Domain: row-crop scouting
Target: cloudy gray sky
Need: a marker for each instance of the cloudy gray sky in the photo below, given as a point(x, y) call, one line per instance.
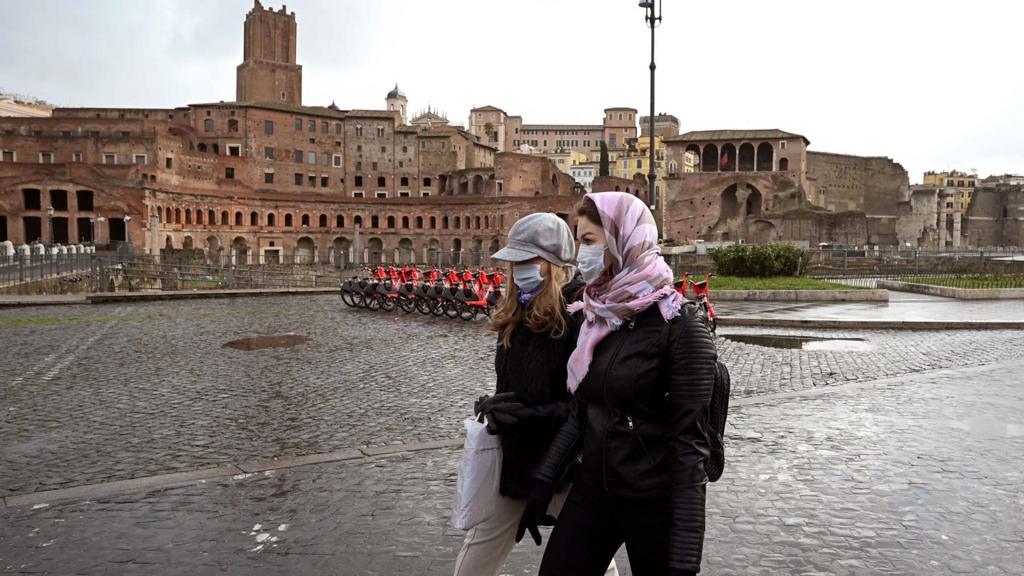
point(933, 84)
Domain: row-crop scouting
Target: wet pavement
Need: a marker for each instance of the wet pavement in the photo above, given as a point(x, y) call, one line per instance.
point(912, 475)
point(901, 306)
point(832, 470)
point(135, 390)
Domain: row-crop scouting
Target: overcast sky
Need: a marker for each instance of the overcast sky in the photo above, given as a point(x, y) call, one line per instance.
point(932, 84)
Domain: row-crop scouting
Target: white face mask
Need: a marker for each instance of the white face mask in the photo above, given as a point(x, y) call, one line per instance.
point(590, 259)
point(527, 277)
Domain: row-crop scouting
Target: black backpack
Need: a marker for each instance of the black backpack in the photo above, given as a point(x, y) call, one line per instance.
point(718, 411)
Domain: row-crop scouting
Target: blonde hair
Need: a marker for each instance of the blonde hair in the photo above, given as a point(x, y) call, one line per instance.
point(544, 313)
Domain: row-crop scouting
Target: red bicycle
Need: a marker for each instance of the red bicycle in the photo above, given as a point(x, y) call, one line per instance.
point(701, 295)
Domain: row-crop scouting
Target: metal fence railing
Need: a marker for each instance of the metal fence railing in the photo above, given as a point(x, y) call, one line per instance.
point(25, 268)
point(865, 267)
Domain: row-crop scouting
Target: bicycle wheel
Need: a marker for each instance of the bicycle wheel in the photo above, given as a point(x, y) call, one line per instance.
point(437, 307)
point(451, 309)
point(406, 304)
point(423, 306)
point(387, 303)
point(467, 312)
point(373, 303)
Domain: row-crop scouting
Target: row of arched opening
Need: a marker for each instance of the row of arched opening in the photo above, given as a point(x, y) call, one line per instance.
point(730, 158)
point(210, 218)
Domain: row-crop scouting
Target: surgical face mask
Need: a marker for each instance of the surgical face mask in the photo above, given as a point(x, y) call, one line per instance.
point(527, 277)
point(590, 258)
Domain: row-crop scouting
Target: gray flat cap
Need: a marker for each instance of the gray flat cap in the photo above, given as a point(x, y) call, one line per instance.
point(541, 234)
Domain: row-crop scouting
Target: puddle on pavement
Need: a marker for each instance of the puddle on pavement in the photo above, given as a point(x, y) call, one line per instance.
point(262, 342)
point(813, 343)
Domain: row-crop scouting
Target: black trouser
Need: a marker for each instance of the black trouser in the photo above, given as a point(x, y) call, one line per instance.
point(594, 524)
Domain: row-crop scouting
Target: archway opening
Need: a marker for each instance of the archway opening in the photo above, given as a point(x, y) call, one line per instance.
point(709, 159)
point(765, 157)
point(730, 205)
point(746, 157)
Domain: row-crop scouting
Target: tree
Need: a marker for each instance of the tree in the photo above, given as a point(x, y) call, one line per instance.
point(603, 167)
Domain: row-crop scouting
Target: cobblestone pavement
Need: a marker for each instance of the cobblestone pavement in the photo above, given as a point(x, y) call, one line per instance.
point(913, 475)
point(94, 394)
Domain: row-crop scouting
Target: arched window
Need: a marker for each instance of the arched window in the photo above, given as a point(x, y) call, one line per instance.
point(709, 159)
point(477, 222)
point(254, 219)
point(201, 147)
point(238, 218)
point(458, 223)
point(177, 215)
point(444, 223)
point(765, 157)
point(188, 215)
point(374, 221)
point(419, 222)
point(224, 218)
point(211, 217)
point(391, 221)
point(465, 222)
point(271, 219)
point(746, 157)
point(323, 220)
point(405, 221)
point(783, 163)
point(167, 216)
point(199, 216)
point(339, 222)
point(216, 148)
point(288, 221)
point(433, 222)
point(358, 220)
point(305, 220)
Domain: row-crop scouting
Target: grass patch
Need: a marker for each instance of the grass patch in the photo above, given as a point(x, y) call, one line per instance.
point(774, 283)
point(967, 281)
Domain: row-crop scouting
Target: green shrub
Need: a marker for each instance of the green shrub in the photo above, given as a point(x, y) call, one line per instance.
point(761, 260)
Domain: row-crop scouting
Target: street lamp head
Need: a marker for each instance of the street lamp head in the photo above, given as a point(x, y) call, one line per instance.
point(127, 218)
point(49, 211)
point(646, 4)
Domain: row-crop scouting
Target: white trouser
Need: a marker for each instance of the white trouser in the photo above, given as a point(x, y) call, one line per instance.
point(489, 543)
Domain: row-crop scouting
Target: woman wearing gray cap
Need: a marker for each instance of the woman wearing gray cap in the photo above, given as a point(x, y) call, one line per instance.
point(536, 336)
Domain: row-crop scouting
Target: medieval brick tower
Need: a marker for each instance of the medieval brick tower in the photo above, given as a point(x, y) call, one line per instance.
point(268, 72)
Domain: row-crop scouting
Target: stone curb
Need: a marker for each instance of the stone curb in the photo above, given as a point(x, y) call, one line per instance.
point(823, 324)
point(800, 295)
point(121, 297)
point(247, 467)
point(118, 486)
point(15, 301)
point(951, 292)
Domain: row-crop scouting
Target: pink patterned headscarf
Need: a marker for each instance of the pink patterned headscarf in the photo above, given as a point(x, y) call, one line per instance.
point(639, 277)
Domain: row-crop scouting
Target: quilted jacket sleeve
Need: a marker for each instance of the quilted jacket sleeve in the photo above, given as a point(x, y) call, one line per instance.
point(692, 358)
point(563, 447)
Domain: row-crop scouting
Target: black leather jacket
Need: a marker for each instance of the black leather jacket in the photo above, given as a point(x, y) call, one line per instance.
point(640, 421)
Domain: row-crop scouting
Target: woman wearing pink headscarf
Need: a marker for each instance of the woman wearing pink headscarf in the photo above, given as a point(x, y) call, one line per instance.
point(642, 374)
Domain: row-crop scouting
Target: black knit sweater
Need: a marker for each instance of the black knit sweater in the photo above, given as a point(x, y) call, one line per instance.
point(534, 367)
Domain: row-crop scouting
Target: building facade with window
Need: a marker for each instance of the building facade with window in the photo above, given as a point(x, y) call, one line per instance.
point(264, 173)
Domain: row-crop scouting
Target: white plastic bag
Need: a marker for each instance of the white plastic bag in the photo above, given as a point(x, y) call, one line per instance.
point(479, 476)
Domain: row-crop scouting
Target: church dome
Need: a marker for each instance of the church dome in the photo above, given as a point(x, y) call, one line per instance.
point(396, 93)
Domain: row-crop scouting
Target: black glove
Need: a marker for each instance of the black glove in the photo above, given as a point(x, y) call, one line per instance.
point(503, 416)
point(536, 513)
point(484, 404)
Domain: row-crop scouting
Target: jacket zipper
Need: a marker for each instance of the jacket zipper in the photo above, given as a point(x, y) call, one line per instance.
point(636, 430)
point(604, 442)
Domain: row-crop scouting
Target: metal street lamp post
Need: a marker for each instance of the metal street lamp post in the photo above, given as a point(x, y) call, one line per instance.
point(49, 221)
point(653, 18)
